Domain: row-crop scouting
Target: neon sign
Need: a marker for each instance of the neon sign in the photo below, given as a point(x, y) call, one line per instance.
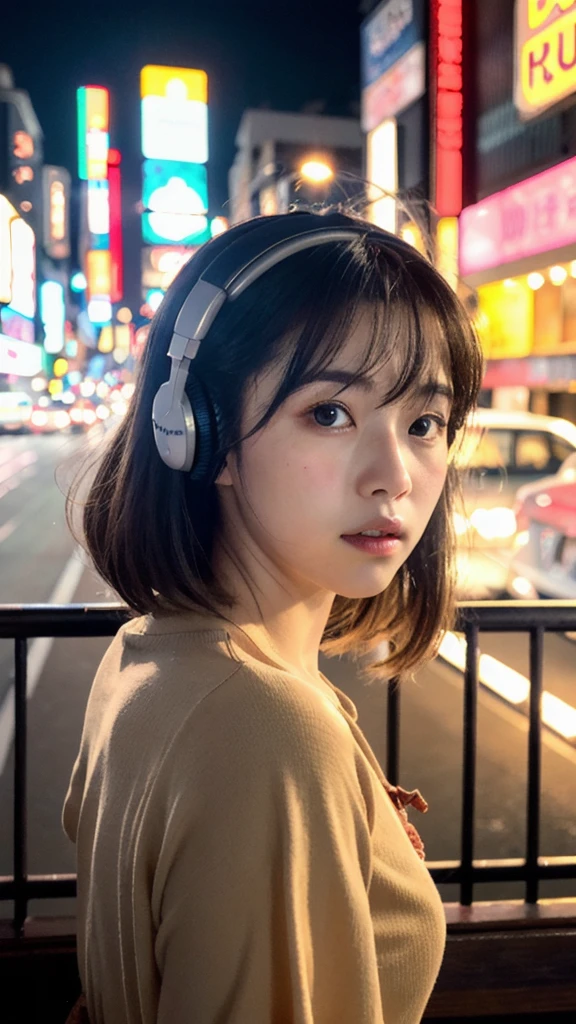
point(19, 358)
point(448, 103)
point(98, 272)
point(545, 54)
point(174, 114)
point(56, 193)
point(93, 127)
point(98, 204)
point(7, 215)
point(53, 313)
point(57, 211)
point(534, 216)
point(115, 218)
point(23, 245)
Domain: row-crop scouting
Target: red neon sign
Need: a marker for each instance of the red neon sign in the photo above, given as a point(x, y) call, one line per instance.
point(447, 127)
point(115, 203)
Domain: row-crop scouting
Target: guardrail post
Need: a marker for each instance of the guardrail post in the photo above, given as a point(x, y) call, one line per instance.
point(534, 765)
point(393, 732)
point(469, 762)
point(20, 783)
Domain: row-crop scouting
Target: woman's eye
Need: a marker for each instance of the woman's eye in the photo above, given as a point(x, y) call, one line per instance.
point(428, 427)
point(326, 415)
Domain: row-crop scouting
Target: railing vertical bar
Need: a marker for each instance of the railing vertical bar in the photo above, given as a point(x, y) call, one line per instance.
point(393, 732)
point(20, 784)
point(534, 764)
point(469, 762)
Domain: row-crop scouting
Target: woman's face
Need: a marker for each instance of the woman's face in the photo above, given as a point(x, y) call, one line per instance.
point(328, 466)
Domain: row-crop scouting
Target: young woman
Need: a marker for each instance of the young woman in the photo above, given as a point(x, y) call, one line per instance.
point(280, 485)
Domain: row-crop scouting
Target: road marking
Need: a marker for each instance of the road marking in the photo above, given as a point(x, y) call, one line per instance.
point(17, 464)
point(507, 712)
point(7, 529)
point(512, 686)
point(38, 651)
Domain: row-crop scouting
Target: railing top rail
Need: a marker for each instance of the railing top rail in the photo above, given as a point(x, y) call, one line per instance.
point(53, 620)
point(103, 619)
point(517, 616)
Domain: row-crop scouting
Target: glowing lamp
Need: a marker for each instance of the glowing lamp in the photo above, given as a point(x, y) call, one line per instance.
point(154, 298)
point(218, 225)
point(316, 171)
point(78, 282)
point(60, 367)
point(557, 275)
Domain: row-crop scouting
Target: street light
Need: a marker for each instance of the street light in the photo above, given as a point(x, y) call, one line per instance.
point(316, 171)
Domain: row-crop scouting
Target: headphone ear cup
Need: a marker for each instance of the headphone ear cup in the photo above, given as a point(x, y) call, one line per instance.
point(209, 431)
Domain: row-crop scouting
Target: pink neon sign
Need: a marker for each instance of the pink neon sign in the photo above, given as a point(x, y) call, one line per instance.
point(533, 217)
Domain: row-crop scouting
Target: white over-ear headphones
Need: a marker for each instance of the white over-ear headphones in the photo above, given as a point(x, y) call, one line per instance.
point(254, 249)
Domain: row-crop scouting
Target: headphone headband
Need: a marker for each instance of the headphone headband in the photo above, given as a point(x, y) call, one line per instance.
point(257, 249)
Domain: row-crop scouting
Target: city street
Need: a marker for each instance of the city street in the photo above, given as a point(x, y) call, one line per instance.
point(40, 564)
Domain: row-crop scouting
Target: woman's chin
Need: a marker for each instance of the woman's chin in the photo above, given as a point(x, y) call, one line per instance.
point(360, 590)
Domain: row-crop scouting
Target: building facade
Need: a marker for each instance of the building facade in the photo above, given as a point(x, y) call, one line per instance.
point(517, 246)
point(473, 103)
point(272, 148)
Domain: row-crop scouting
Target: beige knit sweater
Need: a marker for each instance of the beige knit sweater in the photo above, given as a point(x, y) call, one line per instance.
point(239, 859)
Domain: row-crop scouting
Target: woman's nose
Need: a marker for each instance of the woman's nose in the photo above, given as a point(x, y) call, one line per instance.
point(387, 470)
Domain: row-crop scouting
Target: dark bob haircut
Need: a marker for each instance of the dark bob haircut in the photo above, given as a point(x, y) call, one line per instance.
point(151, 530)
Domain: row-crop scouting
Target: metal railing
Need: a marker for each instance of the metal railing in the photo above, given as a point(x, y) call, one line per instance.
point(23, 622)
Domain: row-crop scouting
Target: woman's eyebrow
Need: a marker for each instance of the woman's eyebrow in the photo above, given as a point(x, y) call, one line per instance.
point(427, 389)
point(345, 377)
point(431, 388)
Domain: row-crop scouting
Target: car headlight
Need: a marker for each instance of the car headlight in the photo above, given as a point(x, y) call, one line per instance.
point(494, 523)
point(521, 539)
point(461, 524)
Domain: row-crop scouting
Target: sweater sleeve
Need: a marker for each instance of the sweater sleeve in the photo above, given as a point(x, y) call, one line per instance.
point(261, 889)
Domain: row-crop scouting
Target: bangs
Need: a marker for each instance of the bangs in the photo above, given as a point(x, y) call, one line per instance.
point(415, 327)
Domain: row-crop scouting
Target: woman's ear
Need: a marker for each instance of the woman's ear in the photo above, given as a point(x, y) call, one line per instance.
point(224, 478)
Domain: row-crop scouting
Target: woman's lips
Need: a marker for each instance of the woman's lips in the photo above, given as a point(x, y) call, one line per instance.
point(386, 545)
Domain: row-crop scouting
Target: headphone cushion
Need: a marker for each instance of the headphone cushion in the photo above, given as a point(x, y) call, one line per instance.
point(208, 459)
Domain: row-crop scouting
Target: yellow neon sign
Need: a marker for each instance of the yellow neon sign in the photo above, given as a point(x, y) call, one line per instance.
point(540, 10)
point(186, 83)
point(546, 56)
point(57, 210)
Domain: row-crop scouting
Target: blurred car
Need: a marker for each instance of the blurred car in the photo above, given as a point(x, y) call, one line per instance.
point(15, 412)
point(49, 418)
point(544, 559)
point(83, 415)
point(500, 453)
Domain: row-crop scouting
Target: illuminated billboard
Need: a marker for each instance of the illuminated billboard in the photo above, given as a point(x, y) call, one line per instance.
point(17, 262)
point(53, 313)
point(56, 197)
point(447, 105)
point(93, 128)
point(98, 272)
point(16, 326)
point(160, 228)
point(98, 201)
point(19, 358)
point(23, 255)
point(393, 59)
point(174, 187)
point(7, 215)
point(545, 63)
point(160, 264)
point(174, 114)
point(115, 232)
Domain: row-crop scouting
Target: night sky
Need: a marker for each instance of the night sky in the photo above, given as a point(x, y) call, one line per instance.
point(256, 53)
